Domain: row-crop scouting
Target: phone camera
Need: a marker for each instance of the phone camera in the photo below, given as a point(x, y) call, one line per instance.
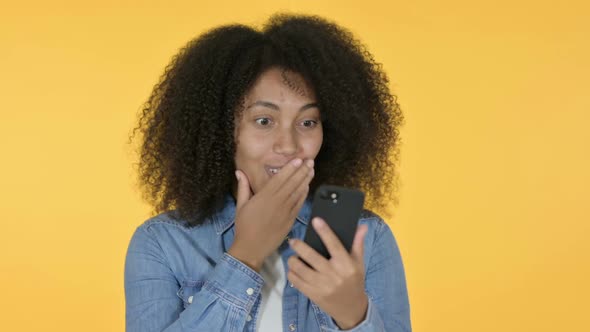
point(334, 197)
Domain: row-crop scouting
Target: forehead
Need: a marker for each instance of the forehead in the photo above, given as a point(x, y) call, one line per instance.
point(280, 85)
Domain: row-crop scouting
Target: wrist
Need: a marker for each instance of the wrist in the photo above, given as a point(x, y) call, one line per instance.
point(354, 320)
point(253, 263)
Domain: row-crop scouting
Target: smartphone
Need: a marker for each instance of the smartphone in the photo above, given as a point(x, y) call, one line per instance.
point(340, 208)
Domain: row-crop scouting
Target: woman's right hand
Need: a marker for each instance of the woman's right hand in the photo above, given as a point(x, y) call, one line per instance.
point(264, 219)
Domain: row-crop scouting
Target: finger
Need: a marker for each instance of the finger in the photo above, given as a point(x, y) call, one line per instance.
point(297, 197)
point(358, 242)
point(244, 192)
point(296, 207)
point(330, 240)
point(312, 257)
point(300, 284)
point(289, 187)
point(306, 273)
point(277, 181)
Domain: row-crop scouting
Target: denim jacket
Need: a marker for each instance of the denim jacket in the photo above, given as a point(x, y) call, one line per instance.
point(180, 278)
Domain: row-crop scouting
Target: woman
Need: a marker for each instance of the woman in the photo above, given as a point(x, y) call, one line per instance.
point(241, 129)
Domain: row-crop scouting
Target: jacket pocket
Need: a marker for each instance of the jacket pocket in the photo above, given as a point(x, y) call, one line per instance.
point(188, 291)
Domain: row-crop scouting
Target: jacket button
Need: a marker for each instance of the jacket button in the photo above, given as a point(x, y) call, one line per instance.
point(249, 318)
point(249, 291)
point(190, 299)
point(292, 327)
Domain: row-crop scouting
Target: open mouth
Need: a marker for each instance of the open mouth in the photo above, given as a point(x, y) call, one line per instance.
point(272, 170)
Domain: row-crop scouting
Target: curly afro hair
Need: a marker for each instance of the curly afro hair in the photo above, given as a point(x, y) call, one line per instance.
point(186, 155)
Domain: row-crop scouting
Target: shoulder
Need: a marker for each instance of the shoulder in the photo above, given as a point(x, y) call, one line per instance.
point(173, 243)
point(373, 220)
point(379, 235)
point(166, 219)
point(166, 227)
point(370, 215)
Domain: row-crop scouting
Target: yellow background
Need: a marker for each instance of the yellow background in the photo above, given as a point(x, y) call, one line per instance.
point(493, 221)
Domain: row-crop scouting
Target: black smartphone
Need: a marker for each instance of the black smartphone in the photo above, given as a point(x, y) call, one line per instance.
point(341, 208)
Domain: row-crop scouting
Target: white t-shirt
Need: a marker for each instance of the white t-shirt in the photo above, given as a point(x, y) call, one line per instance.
point(270, 315)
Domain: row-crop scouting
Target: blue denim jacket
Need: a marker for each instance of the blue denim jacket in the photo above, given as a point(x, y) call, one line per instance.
point(180, 278)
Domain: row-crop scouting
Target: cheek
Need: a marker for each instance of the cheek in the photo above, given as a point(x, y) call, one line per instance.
point(313, 144)
point(249, 157)
point(250, 149)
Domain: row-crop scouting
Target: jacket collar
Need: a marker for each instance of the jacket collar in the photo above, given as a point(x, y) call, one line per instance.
point(225, 218)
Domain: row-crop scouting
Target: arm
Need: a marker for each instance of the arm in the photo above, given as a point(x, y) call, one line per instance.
point(222, 304)
point(389, 308)
point(359, 301)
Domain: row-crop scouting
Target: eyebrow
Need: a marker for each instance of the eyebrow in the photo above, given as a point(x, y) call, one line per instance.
point(275, 107)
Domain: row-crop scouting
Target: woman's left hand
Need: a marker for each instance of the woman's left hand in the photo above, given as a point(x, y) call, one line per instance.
point(336, 285)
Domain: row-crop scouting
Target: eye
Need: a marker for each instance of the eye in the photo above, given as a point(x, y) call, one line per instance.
point(263, 121)
point(309, 123)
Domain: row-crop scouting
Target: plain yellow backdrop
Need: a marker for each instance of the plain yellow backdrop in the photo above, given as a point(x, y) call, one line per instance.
point(493, 220)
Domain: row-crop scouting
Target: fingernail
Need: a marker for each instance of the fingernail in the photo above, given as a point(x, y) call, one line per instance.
point(318, 223)
point(291, 241)
point(309, 162)
point(237, 175)
point(297, 162)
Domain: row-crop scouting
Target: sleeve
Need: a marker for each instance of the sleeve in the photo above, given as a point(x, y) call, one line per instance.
point(389, 308)
point(222, 304)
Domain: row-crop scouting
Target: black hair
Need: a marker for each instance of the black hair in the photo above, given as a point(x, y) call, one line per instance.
point(186, 155)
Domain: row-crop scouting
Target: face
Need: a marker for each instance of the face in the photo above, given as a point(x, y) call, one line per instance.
point(280, 122)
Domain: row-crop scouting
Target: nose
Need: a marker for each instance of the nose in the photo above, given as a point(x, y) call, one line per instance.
point(286, 142)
